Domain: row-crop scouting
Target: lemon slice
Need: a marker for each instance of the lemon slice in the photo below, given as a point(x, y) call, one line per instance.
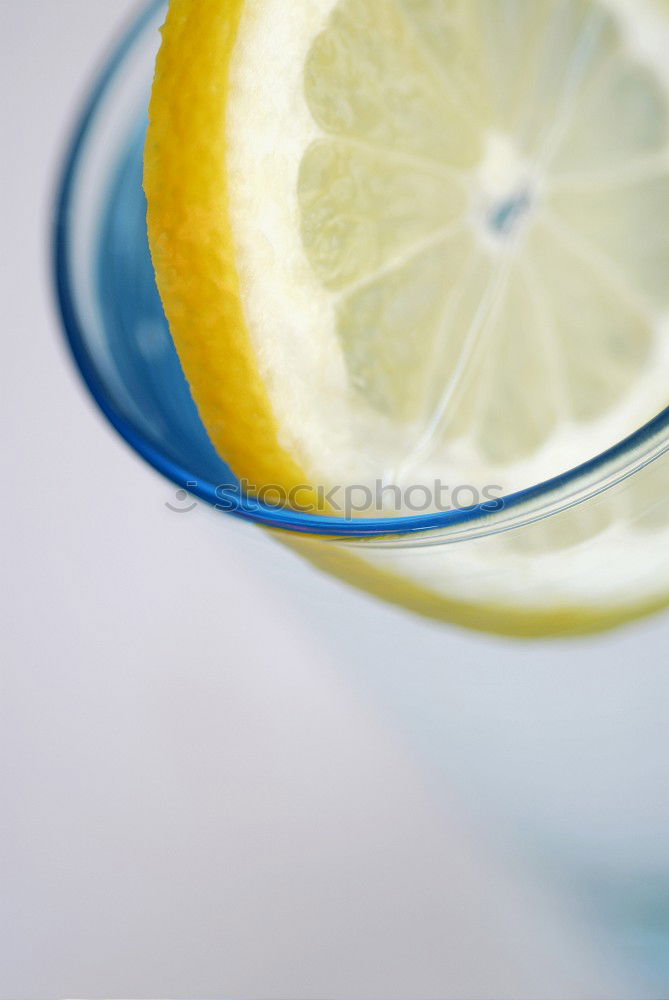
point(403, 239)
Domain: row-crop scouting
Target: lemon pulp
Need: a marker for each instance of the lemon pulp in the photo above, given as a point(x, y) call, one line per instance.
point(483, 205)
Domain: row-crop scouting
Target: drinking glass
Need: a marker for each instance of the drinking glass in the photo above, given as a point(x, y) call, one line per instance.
point(118, 336)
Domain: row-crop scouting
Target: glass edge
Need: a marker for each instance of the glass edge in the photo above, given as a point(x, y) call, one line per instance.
point(240, 505)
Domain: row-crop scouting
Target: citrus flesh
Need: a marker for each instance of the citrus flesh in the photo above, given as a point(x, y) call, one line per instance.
point(402, 240)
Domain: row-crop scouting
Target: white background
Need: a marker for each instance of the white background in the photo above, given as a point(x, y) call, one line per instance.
point(222, 774)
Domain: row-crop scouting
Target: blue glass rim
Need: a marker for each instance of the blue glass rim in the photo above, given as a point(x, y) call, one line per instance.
point(233, 501)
